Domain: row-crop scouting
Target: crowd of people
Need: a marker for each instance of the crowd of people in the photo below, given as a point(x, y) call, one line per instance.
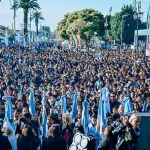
point(47, 68)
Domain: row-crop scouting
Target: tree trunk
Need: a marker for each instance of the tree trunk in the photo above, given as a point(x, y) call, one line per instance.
point(37, 27)
point(25, 23)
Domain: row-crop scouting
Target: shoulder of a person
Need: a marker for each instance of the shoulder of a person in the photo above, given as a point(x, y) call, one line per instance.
point(138, 129)
point(103, 143)
point(4, 137)
point(90, 125)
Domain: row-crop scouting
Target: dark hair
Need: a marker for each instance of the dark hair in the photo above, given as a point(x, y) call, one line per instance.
point(136, 104)
point(113, 93)
point(56, 131)
point(27, 116)
point(110, 129)
point(22, 97)
point(29, 131)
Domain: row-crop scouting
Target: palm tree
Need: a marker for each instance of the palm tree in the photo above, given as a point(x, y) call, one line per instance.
point(26, 5)
point(46, 30)
point(37, 16)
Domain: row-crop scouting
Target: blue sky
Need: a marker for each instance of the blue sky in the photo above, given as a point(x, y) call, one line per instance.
point(54, 10)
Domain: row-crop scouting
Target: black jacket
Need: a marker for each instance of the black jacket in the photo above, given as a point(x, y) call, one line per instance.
point(127, 137)
point(114, 104)
point(54, 143)
point(106, 145)
point(25, 143)
point(4, 143)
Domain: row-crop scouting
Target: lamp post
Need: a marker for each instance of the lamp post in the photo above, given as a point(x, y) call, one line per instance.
point(31, 13)
point(137, 15)
point(14, 6)
point(110, 10)
point(105, 25)
point(122, 27)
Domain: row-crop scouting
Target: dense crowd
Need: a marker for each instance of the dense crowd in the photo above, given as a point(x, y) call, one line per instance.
point(47, 68)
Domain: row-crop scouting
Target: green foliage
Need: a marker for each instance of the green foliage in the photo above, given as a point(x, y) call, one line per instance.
point(84, 22)
point(26, 5)
point(36, 17)
point(29, 4)
point(46, 30)
point(127, 23)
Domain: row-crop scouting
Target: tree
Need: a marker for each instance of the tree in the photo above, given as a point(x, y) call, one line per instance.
point(84, 22)
point(62, 27)
point(26, 5)
point(46, 30)
point(37, 16)
point(116, 26)
point(124, 21)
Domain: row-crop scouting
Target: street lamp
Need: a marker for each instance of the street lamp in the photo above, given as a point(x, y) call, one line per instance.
point(137, 15)
point(31, 14)
point(105, 25)
point(123, 16)
point(110, 10)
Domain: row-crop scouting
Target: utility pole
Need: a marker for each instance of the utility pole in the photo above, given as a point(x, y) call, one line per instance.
point(14, 22)
point(30, 26)
point(137, 15)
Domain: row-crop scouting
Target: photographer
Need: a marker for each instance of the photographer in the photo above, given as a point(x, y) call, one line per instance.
point(128, 133)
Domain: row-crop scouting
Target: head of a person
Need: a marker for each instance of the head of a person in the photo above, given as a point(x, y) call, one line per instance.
point(50, 119)
point(27, 116)
point(54, 130)
point(19, 105)
point(125, 120)
point(25, 110)
point(135, 120)
point(108, 131)
point(94, 120)
point(58, 108)
point(66, 118)
point(22, 97)
point(135, 106)
point(112, 97)
point(79, 118)
point(121, 109)
point(27, 131)
point(60, 117)
point(3, 85)
point(109, 121)
point(16, 115)
point(9, 90)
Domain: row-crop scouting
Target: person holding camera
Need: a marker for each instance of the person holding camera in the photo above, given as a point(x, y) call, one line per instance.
point(128, 133)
